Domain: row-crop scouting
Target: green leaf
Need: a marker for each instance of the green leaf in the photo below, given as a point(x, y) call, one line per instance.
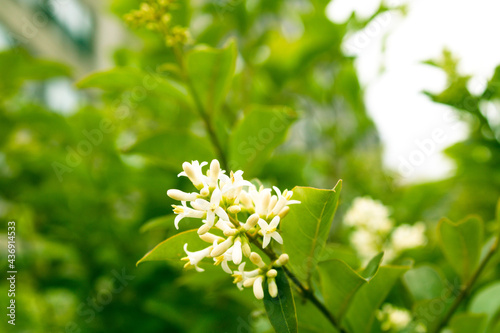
point(211, 72)
point(167, 223)
point(339, 284)
point(424, 283)
point(256, 135)
point(18, 66)
point(173, 148)
point(172, 250)
point(305, 228)
point(467, 323)
point(310, 319)
point(361, 314)
point(281, 309)
point(371, 269)
point(487, 301)
point(461, 243)
point(129, 78)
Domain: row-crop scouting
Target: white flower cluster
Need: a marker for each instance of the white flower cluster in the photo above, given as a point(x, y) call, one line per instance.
point(220, 202)
point(373, 231)
point(393, 318)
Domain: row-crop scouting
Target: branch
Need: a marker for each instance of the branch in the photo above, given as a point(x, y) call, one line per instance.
point(201, 110)
point(467, 288)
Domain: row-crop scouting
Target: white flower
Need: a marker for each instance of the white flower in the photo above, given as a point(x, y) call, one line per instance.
point(393, 318)
point(270, 231)
point(226, 227)
point(194, 172)
point(261, 200)
point(240, 276)
point(212, 208)
point(184, 211)
point(365, 243)
point(369, 214)
point(223, 260)
point(232, 185)
point(194, 258)
point(407, 237)
point(282, 201)
point(258, 291)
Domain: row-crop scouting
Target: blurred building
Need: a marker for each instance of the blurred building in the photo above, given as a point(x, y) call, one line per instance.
point(80, 33)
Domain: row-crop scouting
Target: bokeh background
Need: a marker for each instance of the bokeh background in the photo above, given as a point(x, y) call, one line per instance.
point(400, 104)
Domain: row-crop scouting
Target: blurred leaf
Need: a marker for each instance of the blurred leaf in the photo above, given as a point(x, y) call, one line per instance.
point(372, 267)
point(255, 137)
point(361, 314)
point(281, 309)
point(310, 319)
point(467, 323)
point(129, 78)
point(461, 244)
point(339, 284)
point(487, 301)
point(306, 227)
point(172, 250)
point(18, 66)
point(424, 283)
point(211, 72)
point(173, 148)
point(166, 223)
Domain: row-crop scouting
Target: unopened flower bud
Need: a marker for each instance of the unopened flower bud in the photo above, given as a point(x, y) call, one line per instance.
point(257, 288)
point(181, 196)
point(257, 260)
point(210, 238)
point(251, 221)
point(214, 172)
point(284, 212)
point(234, 209)
point(272, 273)
point(246, 249)
point(282, 260)
point(221, 248)
point(204, 229)
point(236, 254)
point(273, 287)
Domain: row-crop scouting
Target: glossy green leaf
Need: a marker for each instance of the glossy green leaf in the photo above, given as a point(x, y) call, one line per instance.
point(467, 323)
point(167, 149)
point(424, 283)
point(211, 72)
point(361, 314)
point(256, 135)
point(281, 309)
point(305, 228)
point(128, 78)
point(339, 284)
point(172, 249)
point(461, 243)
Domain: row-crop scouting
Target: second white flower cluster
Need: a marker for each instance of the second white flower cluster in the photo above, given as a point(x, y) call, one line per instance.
point(219, 202)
